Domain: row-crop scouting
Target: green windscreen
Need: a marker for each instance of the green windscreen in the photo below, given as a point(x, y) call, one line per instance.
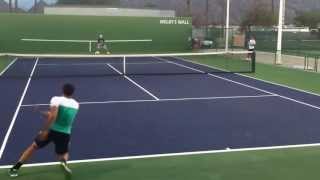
point(166, 34)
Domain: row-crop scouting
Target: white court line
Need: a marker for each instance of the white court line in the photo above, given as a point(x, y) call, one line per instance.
point(71, 64)
point(142, 63)
point(252, 87)
point(283, 97)
point(193, 69)
point(3, 146)
point(115, 69)
point(8, 66)
point(162, 100)
point(172, 155)
point(135, 83)
point(281, 85)
point(142, 88)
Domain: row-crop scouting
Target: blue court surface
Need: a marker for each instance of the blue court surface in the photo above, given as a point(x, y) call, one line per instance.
point(139, 115)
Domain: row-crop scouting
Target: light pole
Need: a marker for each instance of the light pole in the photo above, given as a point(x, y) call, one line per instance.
point(227, 26)
point(280, 29)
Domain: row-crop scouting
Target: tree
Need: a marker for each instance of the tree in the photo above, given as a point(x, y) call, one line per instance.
point(207, 12)
point(10, 5)
point(223, 5)
point(197, 21)
point(310, 19)
point(258, 15)
point(272, 7)
point(183, 9)
point(35, 6)
point(16, 5)
point(188, 3)
point(149, 4)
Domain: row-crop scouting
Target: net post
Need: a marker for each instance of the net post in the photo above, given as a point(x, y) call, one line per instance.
point(317, 62)
point(90, 46)
point(124, 65)
point(315, 65)
point(253, 61)
point(305, 62)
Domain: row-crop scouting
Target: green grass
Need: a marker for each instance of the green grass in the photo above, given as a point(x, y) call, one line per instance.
point(291, 77)
point(4, 62)
point(232, 63)
point(293, 164)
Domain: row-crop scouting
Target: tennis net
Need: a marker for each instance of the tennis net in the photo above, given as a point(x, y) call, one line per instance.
point(46, 65)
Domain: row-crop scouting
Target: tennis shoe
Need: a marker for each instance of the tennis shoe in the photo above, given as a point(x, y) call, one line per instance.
point(13, 172)
point(66, 168)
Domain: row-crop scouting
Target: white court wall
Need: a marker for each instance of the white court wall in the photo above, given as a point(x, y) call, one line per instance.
point(101, 11)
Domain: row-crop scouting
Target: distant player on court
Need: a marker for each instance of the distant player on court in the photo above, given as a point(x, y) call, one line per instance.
point(57, 129)
point(251, 46)
point(101, 45)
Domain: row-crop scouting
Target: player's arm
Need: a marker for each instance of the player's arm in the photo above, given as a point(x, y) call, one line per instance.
point(50, 116)
point(254, 42)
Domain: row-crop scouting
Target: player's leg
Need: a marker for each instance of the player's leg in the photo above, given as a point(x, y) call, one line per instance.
point(26, 155)
point(38, 143)
point(98, 48)
point(105, 47)
point(63, 157)
point(61, 142)
point(249, 54)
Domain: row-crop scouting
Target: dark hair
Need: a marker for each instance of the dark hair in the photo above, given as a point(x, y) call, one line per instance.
point(68, 89)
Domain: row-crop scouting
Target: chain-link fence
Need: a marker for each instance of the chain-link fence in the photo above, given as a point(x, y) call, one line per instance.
point(294, 42)
point(217, 36)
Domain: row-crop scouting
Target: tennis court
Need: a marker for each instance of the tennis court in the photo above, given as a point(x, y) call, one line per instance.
point(168, 90)
point(189, 109)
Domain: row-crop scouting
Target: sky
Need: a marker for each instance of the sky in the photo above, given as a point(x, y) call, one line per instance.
point(27, 4)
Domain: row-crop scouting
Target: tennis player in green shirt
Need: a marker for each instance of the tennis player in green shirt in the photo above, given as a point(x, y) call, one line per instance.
point(57, 129)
